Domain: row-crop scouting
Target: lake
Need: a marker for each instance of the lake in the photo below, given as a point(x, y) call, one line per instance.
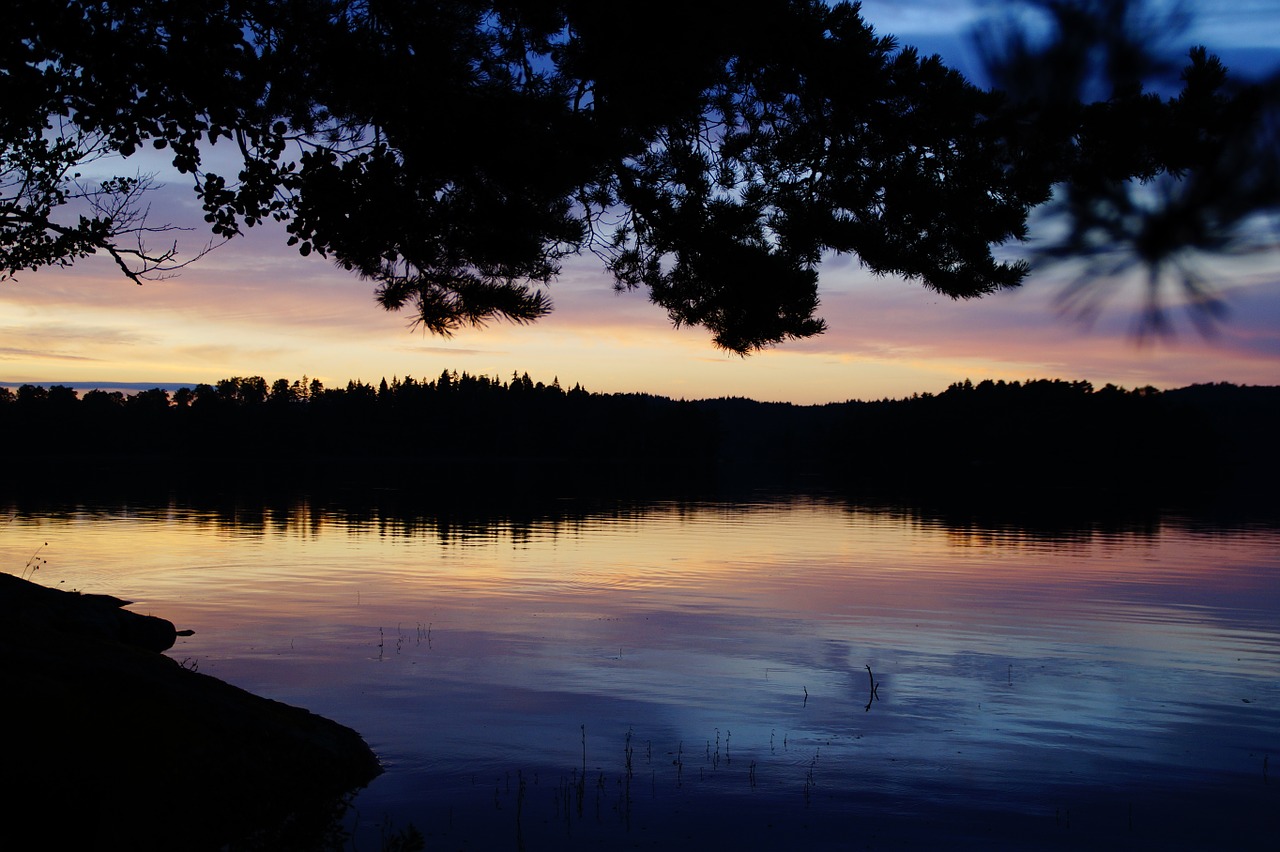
point(783, 673)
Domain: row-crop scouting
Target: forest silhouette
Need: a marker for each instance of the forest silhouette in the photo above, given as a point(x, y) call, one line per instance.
point(462, 434)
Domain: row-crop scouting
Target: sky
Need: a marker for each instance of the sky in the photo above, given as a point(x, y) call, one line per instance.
point(255, 307)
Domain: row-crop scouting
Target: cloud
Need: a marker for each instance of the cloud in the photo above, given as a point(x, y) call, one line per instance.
point(1239, 24)
point(212, 353)
point(75, 333)
point(920, 17)
point(9, 353)
point(38, 342)
point(448, 350)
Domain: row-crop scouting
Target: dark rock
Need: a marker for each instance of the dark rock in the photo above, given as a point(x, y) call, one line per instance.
point(108, 743)
point(98, 616)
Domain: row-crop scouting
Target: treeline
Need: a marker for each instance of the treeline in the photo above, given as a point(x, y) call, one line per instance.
point(302, 431)
point(1034, 439)
point(1048, 441)
point(992, 438)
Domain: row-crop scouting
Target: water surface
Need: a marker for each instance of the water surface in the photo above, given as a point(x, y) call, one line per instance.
point(788, 674)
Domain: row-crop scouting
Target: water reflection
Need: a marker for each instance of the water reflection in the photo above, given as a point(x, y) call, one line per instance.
point(697, 674)
point(395, 513)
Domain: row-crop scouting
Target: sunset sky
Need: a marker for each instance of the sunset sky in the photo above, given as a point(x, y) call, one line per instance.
point(254, 307)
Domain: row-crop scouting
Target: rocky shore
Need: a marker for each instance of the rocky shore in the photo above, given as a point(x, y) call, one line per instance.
point(108, 742)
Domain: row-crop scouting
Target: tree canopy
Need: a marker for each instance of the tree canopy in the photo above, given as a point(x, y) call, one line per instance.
point(456, 153)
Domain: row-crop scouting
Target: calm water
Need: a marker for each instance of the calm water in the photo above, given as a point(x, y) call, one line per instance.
point(700, 675)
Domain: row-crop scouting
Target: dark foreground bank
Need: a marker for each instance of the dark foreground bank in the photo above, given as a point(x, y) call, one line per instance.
point(109, 743)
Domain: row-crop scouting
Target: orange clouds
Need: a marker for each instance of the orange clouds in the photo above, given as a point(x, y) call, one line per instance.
point(254, 307)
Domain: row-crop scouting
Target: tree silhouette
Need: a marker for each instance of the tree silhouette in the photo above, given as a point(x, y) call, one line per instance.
point(1037, 441)
point(1157, 184)
point(456, 152)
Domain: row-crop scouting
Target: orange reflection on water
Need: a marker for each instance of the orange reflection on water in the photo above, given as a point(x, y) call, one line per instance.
point(807, 558)
point(1010, 662)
